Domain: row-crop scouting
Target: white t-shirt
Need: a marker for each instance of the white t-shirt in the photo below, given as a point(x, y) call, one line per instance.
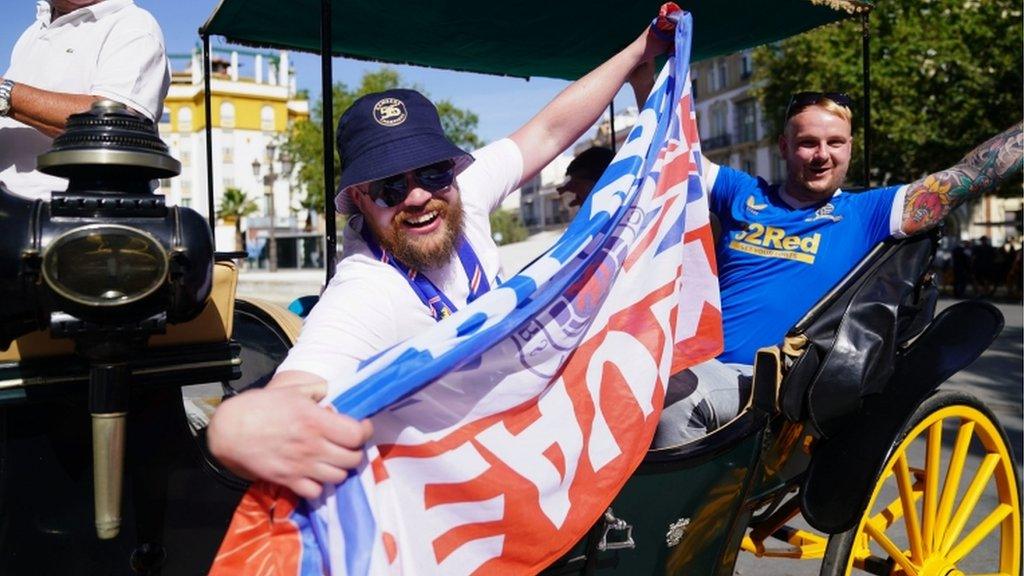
point(369, 306)
point(112, 49)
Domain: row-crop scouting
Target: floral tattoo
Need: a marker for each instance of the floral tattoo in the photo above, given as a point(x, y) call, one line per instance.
point(986, 167)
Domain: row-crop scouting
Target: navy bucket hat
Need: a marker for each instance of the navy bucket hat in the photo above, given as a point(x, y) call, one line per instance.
point(388, 133)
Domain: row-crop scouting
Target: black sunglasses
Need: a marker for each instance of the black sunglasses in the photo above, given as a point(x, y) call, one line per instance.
point(391, 191)
point(802, 100)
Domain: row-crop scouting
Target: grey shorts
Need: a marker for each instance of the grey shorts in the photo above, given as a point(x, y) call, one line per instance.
point(701, 399)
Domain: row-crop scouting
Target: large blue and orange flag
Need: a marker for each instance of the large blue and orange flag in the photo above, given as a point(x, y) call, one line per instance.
point(502, 434)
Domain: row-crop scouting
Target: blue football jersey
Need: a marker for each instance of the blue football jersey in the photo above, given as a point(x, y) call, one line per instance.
point(776, 261)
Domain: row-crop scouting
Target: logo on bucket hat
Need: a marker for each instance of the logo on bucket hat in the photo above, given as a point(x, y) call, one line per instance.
point(388, 133)
point(389, 112)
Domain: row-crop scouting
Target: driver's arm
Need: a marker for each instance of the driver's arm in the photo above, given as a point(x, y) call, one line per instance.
point(641, 80)
point(930, 199)
point(576, 108)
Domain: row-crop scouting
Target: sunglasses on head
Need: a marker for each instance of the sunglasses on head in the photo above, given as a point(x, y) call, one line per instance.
point(391, 191)
point(802, 100)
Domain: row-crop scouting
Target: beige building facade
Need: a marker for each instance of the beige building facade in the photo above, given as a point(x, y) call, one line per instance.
point(253, 102)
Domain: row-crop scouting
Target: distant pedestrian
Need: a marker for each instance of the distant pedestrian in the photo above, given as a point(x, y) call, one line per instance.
point(961, 268)
point(1014, 281)
point(252, 252)
point(983, 260)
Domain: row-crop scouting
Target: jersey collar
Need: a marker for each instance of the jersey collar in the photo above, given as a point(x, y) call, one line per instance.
point(795, 204)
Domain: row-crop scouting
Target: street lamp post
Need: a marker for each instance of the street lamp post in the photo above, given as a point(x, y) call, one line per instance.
point(286, 172)
point(268, 186)
point(268, 193)
point(256, 166)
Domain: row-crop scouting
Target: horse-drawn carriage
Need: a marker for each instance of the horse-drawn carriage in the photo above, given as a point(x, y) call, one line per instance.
point(114, 302)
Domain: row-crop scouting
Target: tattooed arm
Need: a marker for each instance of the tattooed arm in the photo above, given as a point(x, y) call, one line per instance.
point(983, 170)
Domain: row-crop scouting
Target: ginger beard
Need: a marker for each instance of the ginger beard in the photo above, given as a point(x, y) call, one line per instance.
point(422, 251)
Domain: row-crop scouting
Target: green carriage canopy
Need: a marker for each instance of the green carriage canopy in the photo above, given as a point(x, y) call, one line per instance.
point(526, 38)
point(546, 38)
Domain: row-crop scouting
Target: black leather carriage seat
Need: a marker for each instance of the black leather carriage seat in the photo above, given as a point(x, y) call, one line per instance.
point(844, 348)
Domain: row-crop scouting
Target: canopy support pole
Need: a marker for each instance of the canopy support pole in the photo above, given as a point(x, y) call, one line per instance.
point(327, 96)
point(866, 65)
point(611, 123)
point(208, 114)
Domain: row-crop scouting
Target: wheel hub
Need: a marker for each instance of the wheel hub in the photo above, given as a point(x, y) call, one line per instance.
point(939, 566)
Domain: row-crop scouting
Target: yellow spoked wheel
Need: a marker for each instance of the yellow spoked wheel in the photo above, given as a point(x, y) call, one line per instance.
point(946, 503)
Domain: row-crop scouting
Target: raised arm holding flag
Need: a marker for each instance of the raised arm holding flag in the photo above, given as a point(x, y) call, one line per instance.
point(502, 432)
point(413, 198)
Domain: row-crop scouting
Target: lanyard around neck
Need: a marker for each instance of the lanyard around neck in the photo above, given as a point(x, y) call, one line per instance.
point(440, 305)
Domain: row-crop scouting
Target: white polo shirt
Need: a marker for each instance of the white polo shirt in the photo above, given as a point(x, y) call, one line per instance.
point(112, 49)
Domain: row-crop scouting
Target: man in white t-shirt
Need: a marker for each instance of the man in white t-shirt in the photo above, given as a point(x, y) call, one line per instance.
point(417, 248)
point(76, 52)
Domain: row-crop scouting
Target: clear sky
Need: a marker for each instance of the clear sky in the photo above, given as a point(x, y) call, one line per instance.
point(503, 104)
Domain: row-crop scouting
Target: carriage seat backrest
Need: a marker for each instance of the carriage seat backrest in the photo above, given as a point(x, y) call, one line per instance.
point(845, 347)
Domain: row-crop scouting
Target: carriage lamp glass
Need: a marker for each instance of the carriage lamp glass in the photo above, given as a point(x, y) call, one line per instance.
point(105, 265)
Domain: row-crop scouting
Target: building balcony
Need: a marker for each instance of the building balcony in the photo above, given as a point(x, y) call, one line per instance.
point(715, 142)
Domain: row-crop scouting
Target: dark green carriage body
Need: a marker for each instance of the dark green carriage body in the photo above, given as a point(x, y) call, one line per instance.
point(683, 509)
point(687, 508)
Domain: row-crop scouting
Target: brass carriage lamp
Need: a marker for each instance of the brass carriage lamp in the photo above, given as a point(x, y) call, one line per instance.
point(107, 251)
point(105, 263)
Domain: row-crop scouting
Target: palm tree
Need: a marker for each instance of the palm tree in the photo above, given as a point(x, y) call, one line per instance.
point(235, 205)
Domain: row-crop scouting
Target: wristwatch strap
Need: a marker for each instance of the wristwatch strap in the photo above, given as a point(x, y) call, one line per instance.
point(5, 97)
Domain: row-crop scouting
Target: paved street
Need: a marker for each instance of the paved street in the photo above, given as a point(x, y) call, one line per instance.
point(996, 379)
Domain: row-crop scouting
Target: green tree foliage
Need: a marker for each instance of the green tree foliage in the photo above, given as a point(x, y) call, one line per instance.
point(459, 125)
point(305, 140)
point(945, 74)
point(506, 228)
point(235, 205)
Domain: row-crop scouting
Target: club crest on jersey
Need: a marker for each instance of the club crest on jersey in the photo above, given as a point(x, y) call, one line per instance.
point(826, 212)
point(753, 207)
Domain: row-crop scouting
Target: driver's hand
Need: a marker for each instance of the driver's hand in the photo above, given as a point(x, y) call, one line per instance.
point(281, 435)
point(663, 25)
point(659, 36)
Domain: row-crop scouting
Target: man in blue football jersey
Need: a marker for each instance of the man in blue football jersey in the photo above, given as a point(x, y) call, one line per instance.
point(782, 247)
